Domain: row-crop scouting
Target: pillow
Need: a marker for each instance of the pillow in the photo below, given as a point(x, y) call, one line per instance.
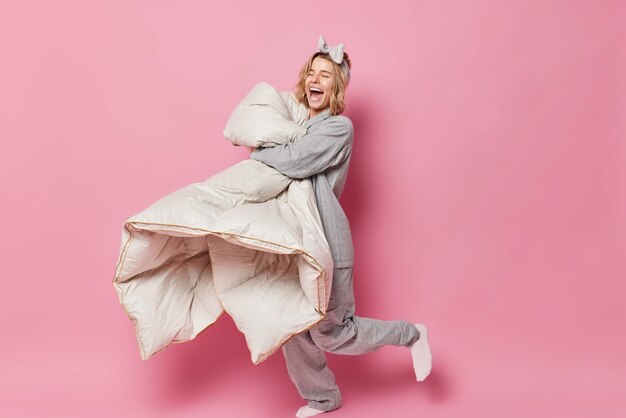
point(266, 117)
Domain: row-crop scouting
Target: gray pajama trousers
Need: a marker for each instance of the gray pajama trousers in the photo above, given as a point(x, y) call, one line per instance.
point(341, 332)
point(323, 154)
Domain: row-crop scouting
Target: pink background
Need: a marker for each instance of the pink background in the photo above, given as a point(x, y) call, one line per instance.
point(487, 197)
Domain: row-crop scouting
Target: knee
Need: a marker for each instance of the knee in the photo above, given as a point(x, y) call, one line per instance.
point(323, 339)
point(329, 337)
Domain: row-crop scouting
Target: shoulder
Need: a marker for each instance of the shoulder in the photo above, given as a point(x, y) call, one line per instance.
point(342, 120)
point(339, 125)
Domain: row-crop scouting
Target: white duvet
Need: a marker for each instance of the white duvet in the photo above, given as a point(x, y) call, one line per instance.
point(247, 241)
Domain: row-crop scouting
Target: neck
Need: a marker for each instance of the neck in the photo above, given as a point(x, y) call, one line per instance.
point(315, 112)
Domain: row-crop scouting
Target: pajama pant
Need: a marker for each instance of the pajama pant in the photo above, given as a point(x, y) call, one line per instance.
point(340, 332)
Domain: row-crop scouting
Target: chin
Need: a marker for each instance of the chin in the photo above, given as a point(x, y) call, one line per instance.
point(319, 107)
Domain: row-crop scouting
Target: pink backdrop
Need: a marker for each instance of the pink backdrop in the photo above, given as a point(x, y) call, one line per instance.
point(487, 198)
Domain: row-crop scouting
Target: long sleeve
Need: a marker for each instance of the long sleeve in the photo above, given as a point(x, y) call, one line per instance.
point(313, 153)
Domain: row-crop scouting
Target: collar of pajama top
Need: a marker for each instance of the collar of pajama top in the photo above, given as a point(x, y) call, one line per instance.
point(317, 118)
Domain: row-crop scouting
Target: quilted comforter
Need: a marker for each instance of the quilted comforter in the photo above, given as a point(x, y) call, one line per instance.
point(247, 241)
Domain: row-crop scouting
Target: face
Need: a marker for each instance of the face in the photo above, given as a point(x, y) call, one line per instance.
point(318, 85)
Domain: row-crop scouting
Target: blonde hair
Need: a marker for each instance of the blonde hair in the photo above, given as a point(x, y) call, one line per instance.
point(340, 83)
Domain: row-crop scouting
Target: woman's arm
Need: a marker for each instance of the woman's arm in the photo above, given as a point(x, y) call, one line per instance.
point(313, 153)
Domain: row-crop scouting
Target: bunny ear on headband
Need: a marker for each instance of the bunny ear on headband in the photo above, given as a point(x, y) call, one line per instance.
point(335, 53)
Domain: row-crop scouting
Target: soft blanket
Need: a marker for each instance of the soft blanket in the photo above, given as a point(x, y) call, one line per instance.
point(247, 241)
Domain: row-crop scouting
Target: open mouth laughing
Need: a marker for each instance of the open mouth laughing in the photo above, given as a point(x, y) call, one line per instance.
point(315, 95)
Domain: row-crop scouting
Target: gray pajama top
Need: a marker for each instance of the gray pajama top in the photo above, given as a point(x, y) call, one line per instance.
point(323, 154)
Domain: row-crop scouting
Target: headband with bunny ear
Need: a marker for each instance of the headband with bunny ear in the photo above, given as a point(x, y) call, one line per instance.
point(335, 53)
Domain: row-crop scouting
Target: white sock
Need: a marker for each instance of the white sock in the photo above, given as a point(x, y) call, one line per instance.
point(307, 411)
point(422, 357)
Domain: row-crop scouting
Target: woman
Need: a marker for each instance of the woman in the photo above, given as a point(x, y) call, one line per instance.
point(323, 154)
